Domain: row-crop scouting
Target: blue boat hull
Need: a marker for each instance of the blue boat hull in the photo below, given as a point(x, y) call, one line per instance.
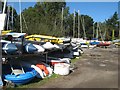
point(20, 79)
point(83, 44)
point(29, 48)
point(9, 48)
point(94, 43)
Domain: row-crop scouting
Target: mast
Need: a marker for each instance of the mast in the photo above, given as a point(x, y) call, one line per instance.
point(113, 35)
point(8, 13)
point(97, 32)
point(119, 28)
point(100, 32)
point(78, 25)
point(83, 25)
point(93, 30)
point(74, 24)
point(4, 6)
point(119, 17)
point(105, 33)
point(104, 36)
point(12, 17)
point(24, 22)
point(62, 20)
point(20, 17)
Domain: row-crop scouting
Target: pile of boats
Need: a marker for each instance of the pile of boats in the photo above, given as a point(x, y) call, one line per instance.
point(16, 45)
point(91, 43)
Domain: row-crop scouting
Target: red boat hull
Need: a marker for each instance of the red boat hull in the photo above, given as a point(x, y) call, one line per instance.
point(104, 44)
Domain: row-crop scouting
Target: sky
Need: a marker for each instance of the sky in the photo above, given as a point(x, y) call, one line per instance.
point(99, 11)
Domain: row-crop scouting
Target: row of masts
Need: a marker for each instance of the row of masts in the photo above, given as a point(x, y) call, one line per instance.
point(98, 30)
point(82, 23)
point(8, 14)
point(78, 25)
point(62, 29)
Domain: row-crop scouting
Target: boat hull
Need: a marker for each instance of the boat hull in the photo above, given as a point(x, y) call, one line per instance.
point(33, 48)
point(9, 48)
point(104, 44)
point(94, 43)
point(20, 79)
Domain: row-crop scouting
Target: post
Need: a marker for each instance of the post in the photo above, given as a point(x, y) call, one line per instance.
point(2, 23)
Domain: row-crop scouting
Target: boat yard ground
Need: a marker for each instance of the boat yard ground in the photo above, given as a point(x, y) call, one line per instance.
point(96, 68)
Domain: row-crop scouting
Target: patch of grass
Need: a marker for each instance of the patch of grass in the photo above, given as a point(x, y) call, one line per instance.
point(75, 60)
point(36, 83)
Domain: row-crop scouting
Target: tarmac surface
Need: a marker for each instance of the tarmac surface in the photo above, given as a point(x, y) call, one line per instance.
point(96, 68)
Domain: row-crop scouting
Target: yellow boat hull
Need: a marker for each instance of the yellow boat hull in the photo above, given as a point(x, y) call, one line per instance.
point(44, 38)
point(5, 32)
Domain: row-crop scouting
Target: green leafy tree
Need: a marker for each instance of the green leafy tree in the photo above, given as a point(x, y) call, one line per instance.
point(113, 24)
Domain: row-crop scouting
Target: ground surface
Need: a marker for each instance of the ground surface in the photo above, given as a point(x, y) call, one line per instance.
point(97, 68)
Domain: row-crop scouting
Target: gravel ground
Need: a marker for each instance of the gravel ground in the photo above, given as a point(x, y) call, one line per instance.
point(97, 68)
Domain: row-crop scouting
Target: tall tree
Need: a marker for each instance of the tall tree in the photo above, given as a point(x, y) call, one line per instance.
point(113, 24)
point(45, 18)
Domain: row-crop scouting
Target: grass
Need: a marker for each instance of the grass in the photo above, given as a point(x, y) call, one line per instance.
point(75, 60)
point(36, 83)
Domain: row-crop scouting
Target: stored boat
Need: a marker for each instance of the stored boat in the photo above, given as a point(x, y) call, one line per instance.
point(8, 47)
point(18, 40)
point(43, 69)
point(104, 43)
point(6, 31)
point(94, 41)
point(33, 48)
point(48, 46)
point(17, 75)
point(44, 38)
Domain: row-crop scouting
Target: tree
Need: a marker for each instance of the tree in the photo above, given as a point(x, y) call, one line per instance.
point(113, 24)
point(44, 18)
